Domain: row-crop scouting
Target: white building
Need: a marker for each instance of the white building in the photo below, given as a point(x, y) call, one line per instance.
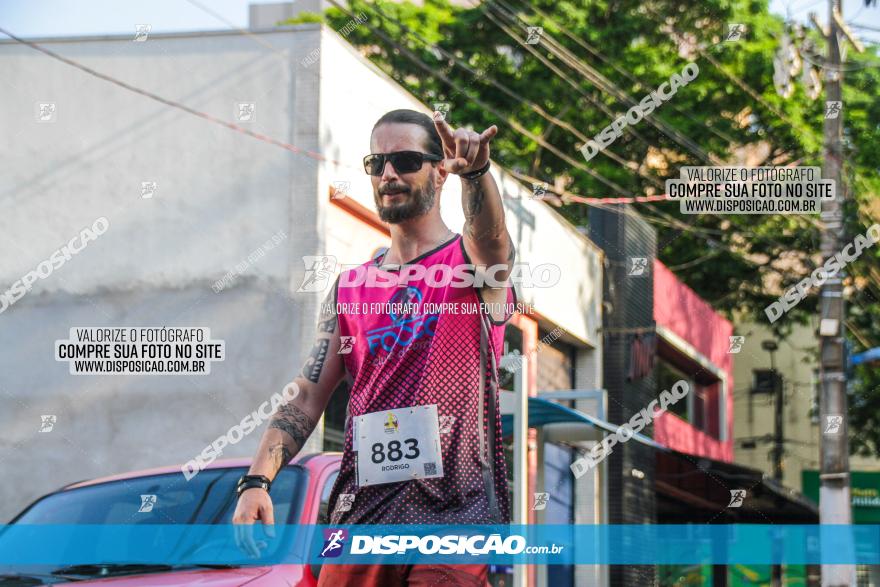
point(188, 201)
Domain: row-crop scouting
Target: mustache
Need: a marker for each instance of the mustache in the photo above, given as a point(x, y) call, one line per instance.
point(392, 188)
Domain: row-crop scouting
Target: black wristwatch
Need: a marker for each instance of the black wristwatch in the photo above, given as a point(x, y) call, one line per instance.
point(476, 174)
point(250, 481)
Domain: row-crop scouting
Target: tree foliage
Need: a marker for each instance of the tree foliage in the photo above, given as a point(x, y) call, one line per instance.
point(731, 113)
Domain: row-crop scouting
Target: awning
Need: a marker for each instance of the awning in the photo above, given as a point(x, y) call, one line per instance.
point(564, 423)
point(694, 489)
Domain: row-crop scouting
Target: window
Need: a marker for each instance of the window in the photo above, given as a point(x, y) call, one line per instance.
point(702, 406)
point(207, 498)
point(667, 376)
point(324, 508)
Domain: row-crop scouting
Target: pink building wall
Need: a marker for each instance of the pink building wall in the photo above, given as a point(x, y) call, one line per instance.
point(680, 310)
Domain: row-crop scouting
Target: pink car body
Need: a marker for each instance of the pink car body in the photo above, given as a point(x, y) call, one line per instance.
point(319, 468)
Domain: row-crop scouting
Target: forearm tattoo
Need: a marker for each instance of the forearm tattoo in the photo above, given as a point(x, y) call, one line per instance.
point(280, 454)
point(296, 423)
point(474, 197)
point(326, 327)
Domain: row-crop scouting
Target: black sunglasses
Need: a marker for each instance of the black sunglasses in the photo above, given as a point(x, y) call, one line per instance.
point(403, 161)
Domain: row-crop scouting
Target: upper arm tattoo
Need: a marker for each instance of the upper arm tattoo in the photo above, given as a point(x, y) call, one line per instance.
point(296, 423)
point(326, 327)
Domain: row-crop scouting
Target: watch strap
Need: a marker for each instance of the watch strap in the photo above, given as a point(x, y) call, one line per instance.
point(476, 174)
point(252, 481)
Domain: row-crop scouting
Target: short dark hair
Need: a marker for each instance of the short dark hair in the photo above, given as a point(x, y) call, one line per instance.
point(433, 145)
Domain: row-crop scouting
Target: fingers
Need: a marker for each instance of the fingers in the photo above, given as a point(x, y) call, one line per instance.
point(462, 147)
point(473, 148)
point(245, 515)
point(268, 516)
point(244, 539)
point(445, 132)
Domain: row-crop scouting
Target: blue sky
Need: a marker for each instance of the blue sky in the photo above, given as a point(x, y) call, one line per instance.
point(46, 18)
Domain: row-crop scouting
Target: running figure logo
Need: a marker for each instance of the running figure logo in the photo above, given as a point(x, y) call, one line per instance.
point(638, 266)
point(346, 345)
point(539, 190)
point(345, 501)
point(446, 423)
point(833, 424)
point(736, 344)
point(47, 422)
point(319, 270)
point(736, 498)
point(46, 112)
point(541, 501)
point(735, 31)
point(832, 108)
point(534, 35)
point(147, 503)
point(334, 540)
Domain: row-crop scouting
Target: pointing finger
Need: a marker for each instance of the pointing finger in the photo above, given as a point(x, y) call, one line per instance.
point(445, 132)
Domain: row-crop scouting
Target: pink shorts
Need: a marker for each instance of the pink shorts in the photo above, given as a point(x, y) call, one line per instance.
point(403, 575)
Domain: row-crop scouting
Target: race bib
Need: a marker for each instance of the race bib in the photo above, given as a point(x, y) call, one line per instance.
point(398, 445)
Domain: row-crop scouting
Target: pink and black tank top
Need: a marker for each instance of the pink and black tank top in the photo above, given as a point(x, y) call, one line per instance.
point(403, 359)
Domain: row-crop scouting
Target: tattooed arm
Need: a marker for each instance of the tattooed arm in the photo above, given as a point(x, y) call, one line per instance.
point(294, 422)
point(485, 235)
point(486, 239)
point(291, 426)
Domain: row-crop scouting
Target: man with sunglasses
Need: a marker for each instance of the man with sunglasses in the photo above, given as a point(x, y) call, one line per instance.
point(422, 432)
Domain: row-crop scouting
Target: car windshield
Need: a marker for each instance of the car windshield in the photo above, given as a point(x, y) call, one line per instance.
point(207, 498)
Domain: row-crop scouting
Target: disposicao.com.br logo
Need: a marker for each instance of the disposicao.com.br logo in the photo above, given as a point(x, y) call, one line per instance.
point(479, 544)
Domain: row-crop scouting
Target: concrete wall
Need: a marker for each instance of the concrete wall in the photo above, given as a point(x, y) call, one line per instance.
point(220, 194)
point(754, 414)
point(796, 361)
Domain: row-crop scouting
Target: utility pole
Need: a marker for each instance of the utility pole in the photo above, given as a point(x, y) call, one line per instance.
point(778, 435)
point(778, 410)
point(834, 493)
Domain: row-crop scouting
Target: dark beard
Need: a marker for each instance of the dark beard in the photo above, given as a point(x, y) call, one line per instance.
point(420, 202)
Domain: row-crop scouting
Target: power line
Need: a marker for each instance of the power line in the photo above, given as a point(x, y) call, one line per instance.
point(674, 221)
point(739, 82)
point(678, 223)
point(533, 106)
point(638, 84)
point(597, 79)
point(513, 123)
point(172, 103)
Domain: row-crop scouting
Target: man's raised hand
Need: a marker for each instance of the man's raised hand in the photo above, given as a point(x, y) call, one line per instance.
point(465, 150)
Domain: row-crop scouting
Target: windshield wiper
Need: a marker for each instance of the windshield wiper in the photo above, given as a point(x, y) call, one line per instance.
point(25, 580)
point(107, 569)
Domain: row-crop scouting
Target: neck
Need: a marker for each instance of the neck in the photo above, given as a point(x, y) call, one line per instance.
point(416, 237)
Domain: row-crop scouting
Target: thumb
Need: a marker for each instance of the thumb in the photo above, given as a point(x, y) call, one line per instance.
point(268, 517)
point(454, 164)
